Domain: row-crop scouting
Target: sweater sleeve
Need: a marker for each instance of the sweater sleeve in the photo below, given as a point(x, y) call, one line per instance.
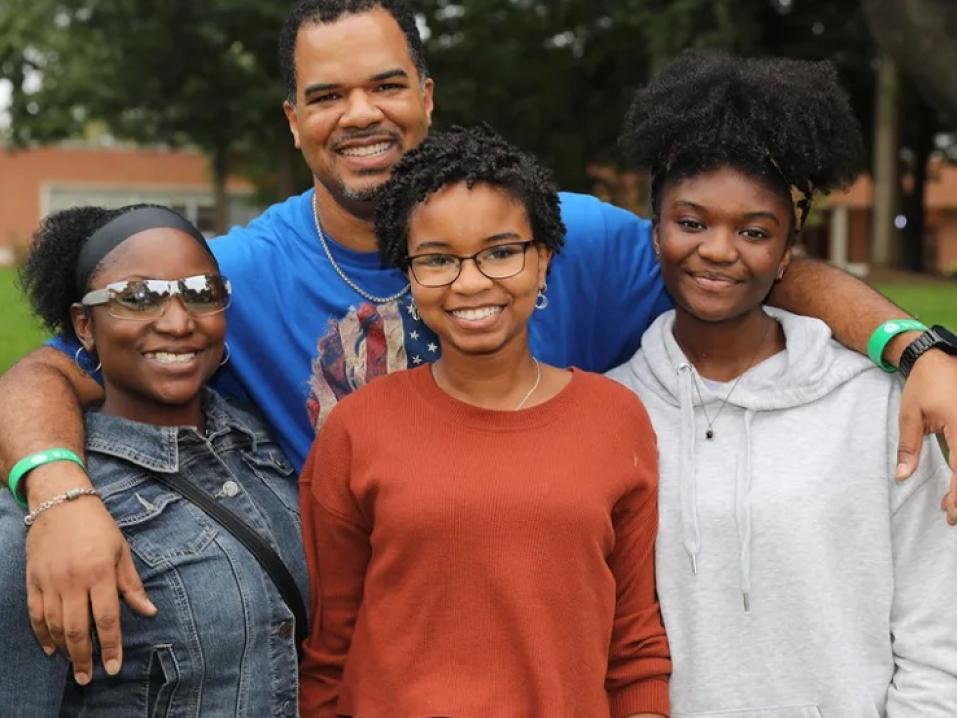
point(639, 660)
point(336, 540)
point(924, 612)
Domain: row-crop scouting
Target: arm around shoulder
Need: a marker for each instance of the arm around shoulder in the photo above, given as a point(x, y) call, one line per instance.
point(41, 400)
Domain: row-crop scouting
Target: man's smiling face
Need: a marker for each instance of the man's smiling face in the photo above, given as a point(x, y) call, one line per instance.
point(360, 102)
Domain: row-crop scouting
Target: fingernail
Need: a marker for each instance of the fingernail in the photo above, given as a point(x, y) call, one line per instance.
point(82, 678)
point(49, 650)
point(112, 666)
point(901, 471)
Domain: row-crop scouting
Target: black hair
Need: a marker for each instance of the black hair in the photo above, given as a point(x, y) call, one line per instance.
point(47, 276)
point(785, 122)
point(470, 155)
point(328, 11)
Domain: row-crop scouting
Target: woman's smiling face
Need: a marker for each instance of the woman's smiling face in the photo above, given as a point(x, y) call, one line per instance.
point(722, 240)
point(476, 314)
point(153, 368)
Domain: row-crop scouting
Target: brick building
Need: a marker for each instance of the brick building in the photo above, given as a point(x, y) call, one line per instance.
point(847, 239)
point(37, 181)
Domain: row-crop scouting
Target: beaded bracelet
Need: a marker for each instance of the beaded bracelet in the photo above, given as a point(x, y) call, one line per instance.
point(70, 495)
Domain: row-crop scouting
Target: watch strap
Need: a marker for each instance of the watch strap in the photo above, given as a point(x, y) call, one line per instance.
point(930, 339)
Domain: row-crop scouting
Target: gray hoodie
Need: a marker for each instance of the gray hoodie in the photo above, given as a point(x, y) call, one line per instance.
point(797, 578)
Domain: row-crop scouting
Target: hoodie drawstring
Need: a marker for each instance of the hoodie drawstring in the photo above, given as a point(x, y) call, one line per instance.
point(687, 485)
point(742, 510)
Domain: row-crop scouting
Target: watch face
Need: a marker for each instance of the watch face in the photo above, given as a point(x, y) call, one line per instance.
point(947, 337)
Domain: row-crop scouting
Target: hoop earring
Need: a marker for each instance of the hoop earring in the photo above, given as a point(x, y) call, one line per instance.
point(76, 360)
point(541, 301)
point(225, 354)
point(413, 310)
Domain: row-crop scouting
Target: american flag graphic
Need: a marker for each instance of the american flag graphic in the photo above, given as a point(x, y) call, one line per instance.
point(370, 340)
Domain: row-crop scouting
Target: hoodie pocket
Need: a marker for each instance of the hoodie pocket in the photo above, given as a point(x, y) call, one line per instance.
point(804, 711)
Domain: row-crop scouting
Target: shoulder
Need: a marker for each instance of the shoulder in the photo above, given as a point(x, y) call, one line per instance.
point(236, 413)
point(379, 400)
point(611, 399)
point(589, 216)
point(277, 225)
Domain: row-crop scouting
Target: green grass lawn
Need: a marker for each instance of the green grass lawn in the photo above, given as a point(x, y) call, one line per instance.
point(19, 331)
point(933, 301)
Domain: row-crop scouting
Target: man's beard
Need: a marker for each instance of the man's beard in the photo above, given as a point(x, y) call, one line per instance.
point(363, 194)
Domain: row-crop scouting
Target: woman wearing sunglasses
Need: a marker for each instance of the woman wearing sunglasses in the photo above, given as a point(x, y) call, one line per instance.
point(143, 294)
point(480, 529)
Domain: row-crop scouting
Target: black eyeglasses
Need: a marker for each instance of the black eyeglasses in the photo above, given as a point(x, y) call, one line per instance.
point(147, 299)
point(499, 262)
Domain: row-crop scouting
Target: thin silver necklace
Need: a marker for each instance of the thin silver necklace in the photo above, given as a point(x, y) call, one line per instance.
point(335, 265)
point(709, 434)
point(538, 380)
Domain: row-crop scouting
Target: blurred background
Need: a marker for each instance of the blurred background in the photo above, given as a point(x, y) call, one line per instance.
point(179, 102)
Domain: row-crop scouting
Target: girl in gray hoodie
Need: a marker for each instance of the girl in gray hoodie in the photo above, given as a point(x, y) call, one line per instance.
point(797, 578)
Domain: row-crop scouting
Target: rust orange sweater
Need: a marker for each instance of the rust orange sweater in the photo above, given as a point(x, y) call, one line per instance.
point(474, 563)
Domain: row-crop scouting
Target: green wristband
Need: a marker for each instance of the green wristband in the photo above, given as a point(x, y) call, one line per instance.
point(884, 333)
point(28, 463)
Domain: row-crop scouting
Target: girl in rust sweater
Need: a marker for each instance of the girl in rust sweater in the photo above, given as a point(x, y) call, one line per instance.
point(480, 529)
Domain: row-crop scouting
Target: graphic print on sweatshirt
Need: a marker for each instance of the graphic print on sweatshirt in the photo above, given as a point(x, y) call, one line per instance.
point(369, 341)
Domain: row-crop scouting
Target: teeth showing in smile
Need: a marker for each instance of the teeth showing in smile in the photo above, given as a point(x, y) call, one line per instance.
point(170, 358)
point(476, 314)
point(368, 151)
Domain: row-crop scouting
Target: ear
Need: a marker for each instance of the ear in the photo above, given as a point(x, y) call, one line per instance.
point(428, 97)
point(785, 261)
point(544, 257)
point(293, 119)
point(82, 326)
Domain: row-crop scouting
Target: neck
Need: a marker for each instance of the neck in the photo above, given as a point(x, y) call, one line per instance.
point(351, 225)
point(724, 350)
point(189, 414)
point(491, 381)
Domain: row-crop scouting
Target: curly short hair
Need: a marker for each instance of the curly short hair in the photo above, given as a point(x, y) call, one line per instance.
point(47, 277)
point(328, 11)
point(785, 122)
point(470, 155)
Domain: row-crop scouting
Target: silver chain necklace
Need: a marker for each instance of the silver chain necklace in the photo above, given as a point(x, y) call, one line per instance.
point(709, 434)
point(342, 275)
point(538, 380)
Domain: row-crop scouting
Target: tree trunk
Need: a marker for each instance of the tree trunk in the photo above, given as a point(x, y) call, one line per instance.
point(220, 196)
point(913, 250)
point(886, 148)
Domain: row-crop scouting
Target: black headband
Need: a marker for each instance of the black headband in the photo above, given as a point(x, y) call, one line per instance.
point(119, 229)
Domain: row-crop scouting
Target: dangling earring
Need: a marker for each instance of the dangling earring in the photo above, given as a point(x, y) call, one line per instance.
point(541, 301)
point(76, 360)
point(413, 310)
point(781, 272)
point(657, 249)
point(225, 353)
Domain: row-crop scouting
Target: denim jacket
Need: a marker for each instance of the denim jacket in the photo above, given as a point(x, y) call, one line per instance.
point(223, 641)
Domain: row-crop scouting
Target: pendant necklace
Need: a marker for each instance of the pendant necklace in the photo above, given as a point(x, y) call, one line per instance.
point(709, 434)
point(342, 275)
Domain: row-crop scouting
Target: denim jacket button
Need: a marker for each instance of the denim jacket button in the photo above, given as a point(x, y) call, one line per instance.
point(230, 488)
point(285, 629)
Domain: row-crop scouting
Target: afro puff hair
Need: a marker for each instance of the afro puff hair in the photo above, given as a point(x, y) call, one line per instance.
point(787, 121)
point(470, 155)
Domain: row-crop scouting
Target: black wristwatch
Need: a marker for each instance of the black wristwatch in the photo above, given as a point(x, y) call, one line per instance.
point(937, 337)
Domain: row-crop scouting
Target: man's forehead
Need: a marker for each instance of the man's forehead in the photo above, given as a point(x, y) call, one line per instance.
point(362, 44)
